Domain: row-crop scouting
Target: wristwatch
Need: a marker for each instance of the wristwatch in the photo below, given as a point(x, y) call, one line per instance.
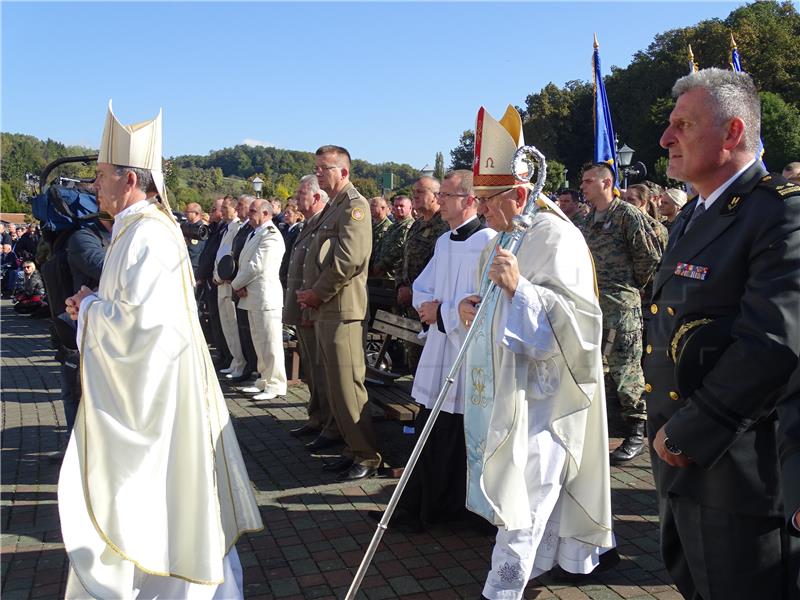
point(671, 447)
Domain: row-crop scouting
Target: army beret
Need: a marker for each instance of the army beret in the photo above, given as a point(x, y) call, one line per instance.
point(696, 346)
point(227, 268)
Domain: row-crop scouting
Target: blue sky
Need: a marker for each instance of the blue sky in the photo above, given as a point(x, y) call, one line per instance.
point(390, 81)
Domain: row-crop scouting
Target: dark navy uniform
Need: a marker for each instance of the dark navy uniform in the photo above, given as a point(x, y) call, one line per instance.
point(723, 533)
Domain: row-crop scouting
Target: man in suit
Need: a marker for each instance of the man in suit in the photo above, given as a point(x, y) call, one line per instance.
point(242, 321)
point(733, 256)
point(311, 200)
point(335, 289)
point(206, 288)
point(232, 215)
point(789, 449)
point(260, 293)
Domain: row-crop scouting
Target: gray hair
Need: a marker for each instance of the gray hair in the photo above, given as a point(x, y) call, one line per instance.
point(313, 184)
point(732, 94)
point(246, 198)
point(464, 180)
point(144, 179)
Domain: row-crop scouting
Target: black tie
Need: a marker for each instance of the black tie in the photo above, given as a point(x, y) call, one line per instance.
point(699, 210)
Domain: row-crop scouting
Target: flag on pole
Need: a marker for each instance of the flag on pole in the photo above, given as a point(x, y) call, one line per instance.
point(692, 64)
point(736, 65)
point(604, 140)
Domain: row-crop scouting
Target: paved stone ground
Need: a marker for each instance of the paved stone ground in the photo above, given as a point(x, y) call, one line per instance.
point(316, 529)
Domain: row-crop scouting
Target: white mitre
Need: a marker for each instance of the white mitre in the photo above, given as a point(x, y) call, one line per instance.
point(137, 145)
point(496, 142)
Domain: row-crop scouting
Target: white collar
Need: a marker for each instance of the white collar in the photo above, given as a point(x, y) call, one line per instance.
point(721, 189)
point(134, 208)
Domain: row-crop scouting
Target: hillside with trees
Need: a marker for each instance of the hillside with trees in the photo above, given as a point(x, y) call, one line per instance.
point(558, 120)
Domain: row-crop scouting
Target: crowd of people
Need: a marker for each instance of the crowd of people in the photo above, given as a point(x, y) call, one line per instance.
point(681, 309)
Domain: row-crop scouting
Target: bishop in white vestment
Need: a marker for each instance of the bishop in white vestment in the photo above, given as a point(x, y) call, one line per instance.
point(535, 411)
point(153, 493)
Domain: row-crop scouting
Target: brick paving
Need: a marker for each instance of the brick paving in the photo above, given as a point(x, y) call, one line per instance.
point(316, 528)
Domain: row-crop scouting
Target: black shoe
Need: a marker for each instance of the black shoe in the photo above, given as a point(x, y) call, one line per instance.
point(304, 430)
point(321, 443)
point(357, 472)
point(608, 560)
point(632, 446)
point(336, 466)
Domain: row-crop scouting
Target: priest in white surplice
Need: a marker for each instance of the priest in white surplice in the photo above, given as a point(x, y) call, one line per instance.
point(435, 492)
point(535, 418)
point(153, 492)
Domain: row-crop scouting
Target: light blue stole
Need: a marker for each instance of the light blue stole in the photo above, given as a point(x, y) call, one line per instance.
point(480, 392)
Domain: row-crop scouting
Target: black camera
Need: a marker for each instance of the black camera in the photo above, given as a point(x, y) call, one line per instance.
point(194, 231)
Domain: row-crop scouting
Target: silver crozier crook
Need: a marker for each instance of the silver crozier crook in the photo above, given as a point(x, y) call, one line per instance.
point(534, 162)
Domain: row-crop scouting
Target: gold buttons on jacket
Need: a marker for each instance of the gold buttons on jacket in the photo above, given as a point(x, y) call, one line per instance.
point(674, 395)
point(653, 308)
point(670, 311)
point(649, 349)
point(648, 388)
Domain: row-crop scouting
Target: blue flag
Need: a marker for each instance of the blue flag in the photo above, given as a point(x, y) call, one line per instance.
point(736, 65)
point(604, 146)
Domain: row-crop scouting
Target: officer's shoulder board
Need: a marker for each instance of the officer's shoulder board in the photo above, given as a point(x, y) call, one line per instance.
point(353, 193)
point(779, 186)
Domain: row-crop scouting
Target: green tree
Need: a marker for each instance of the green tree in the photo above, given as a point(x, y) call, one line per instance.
point(780, 131)
point(438, 167)
point(368, 187)
point(461, 156)
point(554, 180)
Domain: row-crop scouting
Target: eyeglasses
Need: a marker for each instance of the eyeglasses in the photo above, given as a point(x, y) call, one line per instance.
point(446, 195)
point(485, 199)
point(321, 168)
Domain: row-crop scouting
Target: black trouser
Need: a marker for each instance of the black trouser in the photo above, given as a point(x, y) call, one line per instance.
point(217, 336)
point(712, 554)
point(436, 491)
point(249, 351)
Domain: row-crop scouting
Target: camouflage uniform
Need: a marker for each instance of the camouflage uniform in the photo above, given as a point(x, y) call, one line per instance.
point(388, 255)
point(625, 258)
point(378, 231)
point(579, 220)
point(418, 252)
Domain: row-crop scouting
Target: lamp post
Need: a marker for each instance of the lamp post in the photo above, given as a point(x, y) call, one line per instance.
point(258, 183)
point(566, 179)
point(625, 157)
point(427, 171)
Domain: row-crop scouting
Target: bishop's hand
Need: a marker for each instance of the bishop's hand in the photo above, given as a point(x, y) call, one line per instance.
point(504, 271)
point(468, 308)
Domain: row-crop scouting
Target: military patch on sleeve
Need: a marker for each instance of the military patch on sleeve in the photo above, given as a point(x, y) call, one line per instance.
point(357, 214)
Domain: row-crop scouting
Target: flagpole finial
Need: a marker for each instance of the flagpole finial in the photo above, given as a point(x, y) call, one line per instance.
point(596, 44)
point(733, 42)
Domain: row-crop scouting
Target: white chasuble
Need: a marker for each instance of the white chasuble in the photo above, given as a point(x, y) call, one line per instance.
point(544, 358)
point(153, 477)
point(447, 278)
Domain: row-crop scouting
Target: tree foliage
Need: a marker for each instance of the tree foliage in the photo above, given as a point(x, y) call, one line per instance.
point(461, 156)
point(438, 166)
point(558, 120)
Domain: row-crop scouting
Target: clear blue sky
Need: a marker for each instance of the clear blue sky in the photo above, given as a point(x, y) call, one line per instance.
point(390, 81)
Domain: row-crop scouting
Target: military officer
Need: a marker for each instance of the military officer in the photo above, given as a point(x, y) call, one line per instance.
point(733, 257)
point(379, 211)
point(419, 250)
point(311, 200)
point(625, 258)
point(335, 289)
point(388, 256)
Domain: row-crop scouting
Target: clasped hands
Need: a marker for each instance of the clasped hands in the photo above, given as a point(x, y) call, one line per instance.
point(308, 298)
point(73, 303)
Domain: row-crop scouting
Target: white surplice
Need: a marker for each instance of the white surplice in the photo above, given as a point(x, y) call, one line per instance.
point(545, 463)
point(447, 277)
point(153, 481)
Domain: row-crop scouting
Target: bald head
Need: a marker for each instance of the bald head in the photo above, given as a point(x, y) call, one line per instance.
point(194, 212)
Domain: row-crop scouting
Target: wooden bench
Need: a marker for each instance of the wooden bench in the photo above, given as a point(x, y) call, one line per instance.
point(395, 400)
point(390, 327)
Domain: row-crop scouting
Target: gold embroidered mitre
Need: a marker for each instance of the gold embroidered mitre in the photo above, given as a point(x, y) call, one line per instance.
point(495, 145)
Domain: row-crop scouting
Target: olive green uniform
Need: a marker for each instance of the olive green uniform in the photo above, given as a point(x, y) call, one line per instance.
point(320, 415)
point(625, 257)
point(335, 268)
point(420, 243)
